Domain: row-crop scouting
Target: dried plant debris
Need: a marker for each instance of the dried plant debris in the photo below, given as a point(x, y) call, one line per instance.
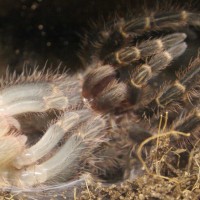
point(167, 178)
point(145, 188)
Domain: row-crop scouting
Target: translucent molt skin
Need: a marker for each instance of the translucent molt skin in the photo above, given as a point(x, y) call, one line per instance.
point(57, 156)
point(63, 191)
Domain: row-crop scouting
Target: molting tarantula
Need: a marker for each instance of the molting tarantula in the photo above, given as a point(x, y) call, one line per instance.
point(127, 59)
point(128, 79)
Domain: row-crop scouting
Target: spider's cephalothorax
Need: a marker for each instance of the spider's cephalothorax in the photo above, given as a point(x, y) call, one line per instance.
point(56, 155)
point(129, 64)
point(141, 68)
point(131, 54)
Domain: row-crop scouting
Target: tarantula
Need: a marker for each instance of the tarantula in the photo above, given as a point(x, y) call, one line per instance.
point(56, 156)
point(127, 59)
point(127, 62)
